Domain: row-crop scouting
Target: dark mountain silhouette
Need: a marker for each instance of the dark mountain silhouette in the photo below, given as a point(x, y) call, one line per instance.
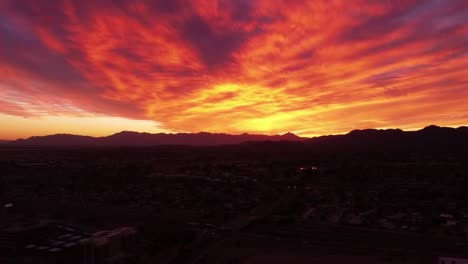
point(56, 140)
point(128, 138)
point(4, 141)
point(440, 142)
point(427, 140)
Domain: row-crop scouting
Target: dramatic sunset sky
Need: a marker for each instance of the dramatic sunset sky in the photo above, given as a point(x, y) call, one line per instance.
point(96, 67)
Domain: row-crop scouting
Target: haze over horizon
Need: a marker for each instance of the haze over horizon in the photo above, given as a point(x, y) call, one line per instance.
point(255, 66)
point(287, 134)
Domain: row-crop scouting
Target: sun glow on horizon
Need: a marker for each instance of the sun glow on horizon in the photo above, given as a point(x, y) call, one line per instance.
point(14, 127)
point(231, 66)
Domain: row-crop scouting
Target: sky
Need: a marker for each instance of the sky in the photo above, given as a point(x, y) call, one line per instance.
point(233, 66)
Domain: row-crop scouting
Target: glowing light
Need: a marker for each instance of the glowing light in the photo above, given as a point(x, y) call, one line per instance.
point(310, 67)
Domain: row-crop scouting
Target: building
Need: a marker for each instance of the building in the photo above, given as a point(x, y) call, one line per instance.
point(449, 260)
point(14, 237)
point(110, 246)
point(49, 242)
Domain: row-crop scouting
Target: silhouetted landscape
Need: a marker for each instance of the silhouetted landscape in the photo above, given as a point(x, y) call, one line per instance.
point(430, 138)
point(127, 138)
point(233, 132)
point(368, 196)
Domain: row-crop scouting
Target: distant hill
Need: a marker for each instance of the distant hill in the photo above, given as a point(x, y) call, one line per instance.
point(427, 140)
point(4, 141)
point(128, 138)
point(441, 142)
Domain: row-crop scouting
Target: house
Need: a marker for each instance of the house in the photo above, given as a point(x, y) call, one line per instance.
point(449, 260)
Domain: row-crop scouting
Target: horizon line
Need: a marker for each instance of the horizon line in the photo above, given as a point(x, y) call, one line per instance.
point(245, 133)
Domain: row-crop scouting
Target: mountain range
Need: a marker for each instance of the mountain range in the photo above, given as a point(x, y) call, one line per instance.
point(428, 137)
point(128, 138)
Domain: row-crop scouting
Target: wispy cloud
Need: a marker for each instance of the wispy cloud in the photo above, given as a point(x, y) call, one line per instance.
point(239, 66)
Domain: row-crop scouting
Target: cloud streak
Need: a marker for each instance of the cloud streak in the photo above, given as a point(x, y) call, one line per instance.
point(238, 66)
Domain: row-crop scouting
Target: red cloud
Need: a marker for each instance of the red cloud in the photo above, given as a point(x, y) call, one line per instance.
point(235, 66)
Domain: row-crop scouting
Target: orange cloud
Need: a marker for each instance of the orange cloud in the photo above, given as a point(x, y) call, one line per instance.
point(312, 67)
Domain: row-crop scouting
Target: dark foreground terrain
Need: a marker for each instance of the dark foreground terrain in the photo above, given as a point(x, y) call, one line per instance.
point(366, 197)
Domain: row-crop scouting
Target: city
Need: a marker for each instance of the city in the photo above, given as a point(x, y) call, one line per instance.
point(224, 204)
